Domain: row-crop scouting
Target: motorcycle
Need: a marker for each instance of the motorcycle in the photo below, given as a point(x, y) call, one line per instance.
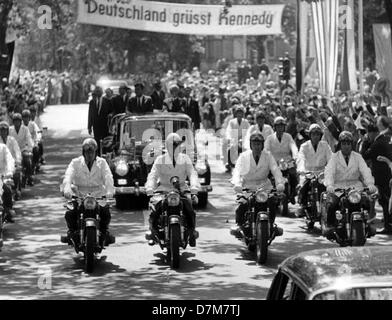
point(256, 230)
point(285, 166)
point(312, 207)
point(172, 227)
point(352, 226)
point(89, 235)
point(3, 214)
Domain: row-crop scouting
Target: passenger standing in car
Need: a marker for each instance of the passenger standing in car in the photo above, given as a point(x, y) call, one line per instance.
point(140, 103)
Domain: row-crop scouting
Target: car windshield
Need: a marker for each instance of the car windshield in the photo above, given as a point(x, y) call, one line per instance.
point(357, 294)
point(144, 130)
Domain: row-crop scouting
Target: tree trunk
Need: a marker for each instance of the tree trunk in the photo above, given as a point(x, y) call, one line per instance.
point(4, 69)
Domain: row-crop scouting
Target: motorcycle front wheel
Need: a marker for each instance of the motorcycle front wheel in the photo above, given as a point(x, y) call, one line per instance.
point(262, 242)
point(173, 250)
point(91, 238)
point(358, 235)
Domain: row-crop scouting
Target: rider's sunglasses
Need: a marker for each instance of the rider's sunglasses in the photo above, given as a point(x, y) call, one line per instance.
point(347, 143)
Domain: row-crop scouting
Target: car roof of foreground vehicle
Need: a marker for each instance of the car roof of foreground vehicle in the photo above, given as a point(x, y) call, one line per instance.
point(158, 115)
point(339, 268)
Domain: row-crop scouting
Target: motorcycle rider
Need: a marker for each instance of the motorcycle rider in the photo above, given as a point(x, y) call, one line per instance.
point(22, 135)
point(35, 135)
point(346, 169)
point(282, 146)
point(13, 147)
point(260, 126)
point(173, 163)
point(236, 130)
point(89, 174)
point(251, 172)
point(7, 168)
point(313, 156)
point(37, 121)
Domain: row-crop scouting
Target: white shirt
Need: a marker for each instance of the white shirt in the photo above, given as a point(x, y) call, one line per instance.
point(34, 132)
point(236, 131)
point(311, 160)
point(98, 181)
point(23, 138)
point(7, 162)
point(286, 149)
point(163, 170)
point(340, 175)
point(251, 176)
point(13, 147)
point(266, 132)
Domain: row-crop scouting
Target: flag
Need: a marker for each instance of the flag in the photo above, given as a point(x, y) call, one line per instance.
point(302, 40)
point(325, 15)
point(349, 75)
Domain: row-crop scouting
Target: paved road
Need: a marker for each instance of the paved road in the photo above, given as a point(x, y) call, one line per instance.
point(35, 265)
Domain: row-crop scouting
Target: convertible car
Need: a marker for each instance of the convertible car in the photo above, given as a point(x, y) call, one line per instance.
point(357, 273)
point(134, 143)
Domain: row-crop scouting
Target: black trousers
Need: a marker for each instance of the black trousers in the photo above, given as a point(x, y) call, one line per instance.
point(243, 207)
point(36, 156)
point(189, 213)
point(293, 181)
point(40, 149)
point(27, 163)
point(71, 217)
point(7, 197)
point(384, 191)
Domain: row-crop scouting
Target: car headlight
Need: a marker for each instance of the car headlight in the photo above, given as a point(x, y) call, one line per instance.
point(173, 199)
point(201, 168)
point(354, 197)
point(122, 169)
point(261, 196)
point(90, 203)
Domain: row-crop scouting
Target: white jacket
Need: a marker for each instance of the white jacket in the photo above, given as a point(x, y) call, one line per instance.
point(340, 175)
point(267, 131)
point(13, 147)
point(235, 131)
point(286, 149)
point(7, 162)
point(251, 176)
point(23, 138)
point(163, 170)
point(311, 160)
point(98, 181)
point(34, 132)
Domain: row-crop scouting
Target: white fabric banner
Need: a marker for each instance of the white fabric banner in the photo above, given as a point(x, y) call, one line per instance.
point(383, 44)
point(182, 18)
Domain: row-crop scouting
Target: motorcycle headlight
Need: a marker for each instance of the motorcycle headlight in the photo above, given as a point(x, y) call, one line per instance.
point(283, 166)
point(173, 199)
point(339, 215)
point(201, 168)
point(309, 176)
point(90, 203)
point(354, 197)
point(261, 196)
point(122, 168)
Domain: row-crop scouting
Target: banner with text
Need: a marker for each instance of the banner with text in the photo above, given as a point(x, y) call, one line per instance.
point(182, 18)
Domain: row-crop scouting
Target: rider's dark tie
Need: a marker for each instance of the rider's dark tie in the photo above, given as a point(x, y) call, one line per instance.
point(347, 158)
point(257, 160)
point(174, 160)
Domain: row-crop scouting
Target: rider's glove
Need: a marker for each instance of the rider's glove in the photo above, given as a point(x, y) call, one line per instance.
point(280, 188)
point(68, 193)
point(373, 189)
point(238, 189)
point(149, 192)
point(330, 189)
point(195, 199)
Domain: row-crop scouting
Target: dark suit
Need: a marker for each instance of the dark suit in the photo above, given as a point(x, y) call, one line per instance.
point(158, 97)
point(192, 110)
point(142, 106)
point(98, 119)
point(175, 104)
point(380, 170)
point(119, 104)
